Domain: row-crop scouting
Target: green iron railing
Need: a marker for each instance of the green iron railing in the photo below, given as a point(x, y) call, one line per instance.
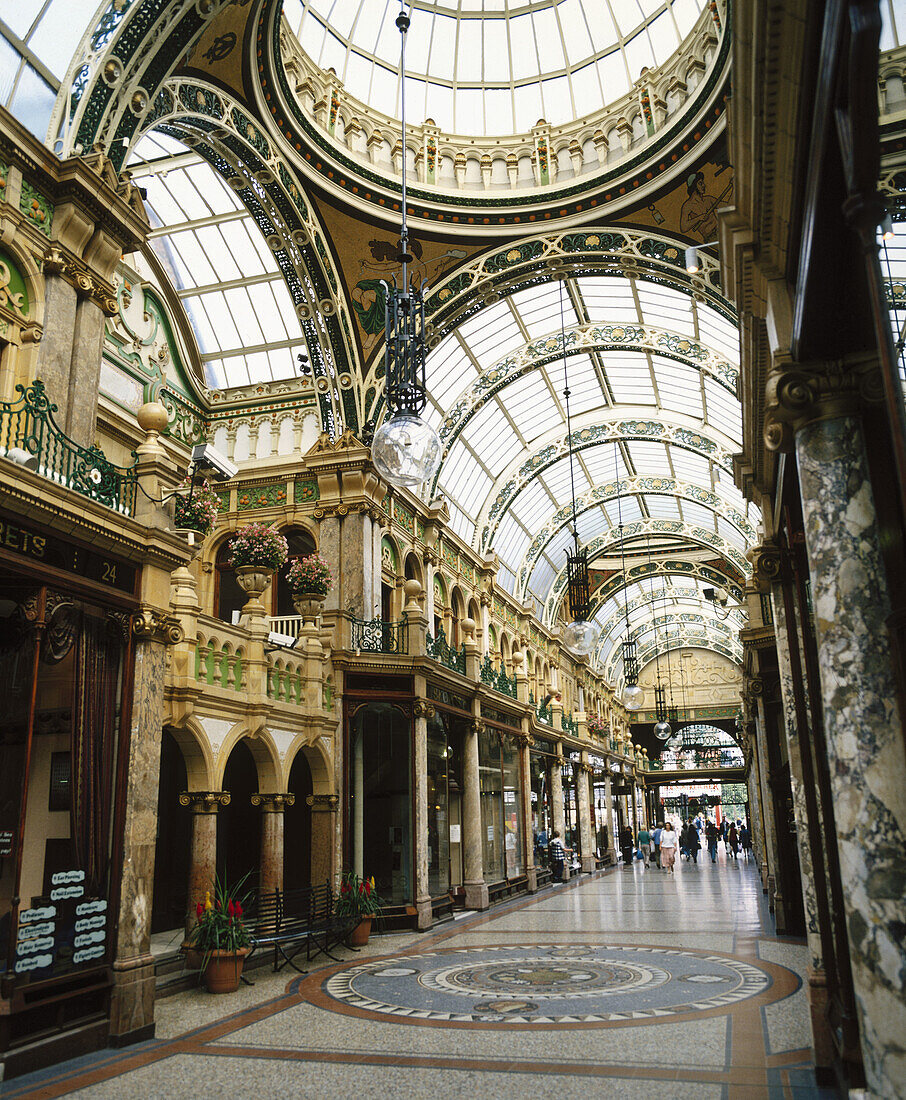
point(445, 654)
point(497, 678)
point(28, 424)
point(544, 713)
point(379, 636)
point(570, 726)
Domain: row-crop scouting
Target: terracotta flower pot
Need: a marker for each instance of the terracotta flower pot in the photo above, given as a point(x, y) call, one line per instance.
point(358, 937)
point(223, 969)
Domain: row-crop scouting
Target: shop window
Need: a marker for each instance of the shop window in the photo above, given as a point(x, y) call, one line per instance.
point(501, 814)
point(380, 799)
point(444, 783)
point(68, 742)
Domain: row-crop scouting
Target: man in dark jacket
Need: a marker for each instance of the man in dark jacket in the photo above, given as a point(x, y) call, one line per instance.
point(693, 844)
point(712, 835)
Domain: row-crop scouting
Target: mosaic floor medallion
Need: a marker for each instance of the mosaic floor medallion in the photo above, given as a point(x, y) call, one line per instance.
point(556, 985)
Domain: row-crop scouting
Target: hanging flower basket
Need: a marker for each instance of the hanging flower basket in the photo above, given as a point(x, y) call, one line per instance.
point(195, 507)
point(259, 545)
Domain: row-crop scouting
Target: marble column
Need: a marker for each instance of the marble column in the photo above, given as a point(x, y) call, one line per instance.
point(358, 802)
point(270, 871)
point(769, 869)
point(422, 712)
point(203, 806)
point(132, 999)
point(525, 772)
point(586, 836)
point(55, 349)
point(85, 373)
point(822, 1037)
point(557, 811)
point(472, 852)
point(324, 809)
point(610, 856)
point(865, 743)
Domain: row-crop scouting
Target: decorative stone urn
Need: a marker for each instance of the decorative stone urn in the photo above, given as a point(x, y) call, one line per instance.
point(308, 604)
point(253, 579)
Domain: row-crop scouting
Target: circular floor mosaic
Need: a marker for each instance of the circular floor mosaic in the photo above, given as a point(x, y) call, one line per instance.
point(554, 985)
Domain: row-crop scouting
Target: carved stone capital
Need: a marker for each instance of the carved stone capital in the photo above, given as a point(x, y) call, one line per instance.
point(475, 726)
point(765, 561)
point(204, 802)
point(156, 626)
point(421, 709)
point(796, 395)
point(324, 803)
point(273, 803)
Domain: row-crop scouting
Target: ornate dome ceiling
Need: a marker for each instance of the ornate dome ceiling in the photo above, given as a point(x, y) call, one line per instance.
point(486, 67)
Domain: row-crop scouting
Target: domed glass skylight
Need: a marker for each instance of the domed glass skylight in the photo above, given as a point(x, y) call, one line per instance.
point(492, 66)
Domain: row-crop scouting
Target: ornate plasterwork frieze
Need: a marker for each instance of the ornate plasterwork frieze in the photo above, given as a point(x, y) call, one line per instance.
point(611, 539)
point(798, 395)
point(580, 339)
point(656, 486)
point(595, 434)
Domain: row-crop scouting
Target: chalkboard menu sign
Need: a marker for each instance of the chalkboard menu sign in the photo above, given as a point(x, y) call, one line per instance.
point(65, 931)
point(48, 548)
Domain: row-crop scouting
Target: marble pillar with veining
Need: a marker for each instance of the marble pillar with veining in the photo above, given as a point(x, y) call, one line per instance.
point(586, 836)
point(769, 872)
point(864, 731)
point(817, 979)
point(132, 1001)
point(271, 860)
point(420, 824)
point(557, 810)
point(611, 853)
point(472, 849)
point(203, 807)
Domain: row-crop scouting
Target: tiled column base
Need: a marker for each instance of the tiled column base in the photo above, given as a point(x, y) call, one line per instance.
point(132, 1001)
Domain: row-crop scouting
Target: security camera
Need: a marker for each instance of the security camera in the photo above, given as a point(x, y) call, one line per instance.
point(207, 459)
point(21, 457)
point(716, 595)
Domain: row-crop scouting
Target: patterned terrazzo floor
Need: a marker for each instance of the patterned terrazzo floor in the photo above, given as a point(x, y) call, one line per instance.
point(624, 984)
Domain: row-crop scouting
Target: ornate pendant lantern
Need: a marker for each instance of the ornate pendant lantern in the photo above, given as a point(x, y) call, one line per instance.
point(406, 450)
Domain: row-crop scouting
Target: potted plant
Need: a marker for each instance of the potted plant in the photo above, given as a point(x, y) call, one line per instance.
point(221, 937)
point(358, 898)
point(310, 580)
point(196, 510)
point(256, 551)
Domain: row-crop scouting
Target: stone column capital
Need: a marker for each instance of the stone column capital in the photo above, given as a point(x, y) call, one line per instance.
point(204, 802)
point(423, 709)
point(799, 394)
point(156, 626)
point(765, 561)
point(273, 803)
point(324, 803)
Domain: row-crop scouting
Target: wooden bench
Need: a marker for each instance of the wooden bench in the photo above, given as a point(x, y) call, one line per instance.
point(289, 920)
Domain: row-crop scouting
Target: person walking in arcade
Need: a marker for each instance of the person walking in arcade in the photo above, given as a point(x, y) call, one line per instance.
point(668, 847)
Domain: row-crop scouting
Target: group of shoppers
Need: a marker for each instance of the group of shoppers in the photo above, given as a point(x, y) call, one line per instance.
point(659, 846)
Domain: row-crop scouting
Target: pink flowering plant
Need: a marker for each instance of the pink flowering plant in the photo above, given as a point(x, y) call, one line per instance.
point(309, 574)
point(196, 509)
point(260, 545)
point(596, 726)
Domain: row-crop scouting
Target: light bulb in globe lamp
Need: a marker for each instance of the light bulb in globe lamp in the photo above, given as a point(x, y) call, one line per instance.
point(632, 697)
point(406, 450)
point(580, 636)
point(662, 730)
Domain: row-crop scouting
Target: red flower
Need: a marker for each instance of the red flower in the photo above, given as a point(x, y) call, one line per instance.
point(199, 909)
point(367, 887)
point(238, 909)
point(231, 909)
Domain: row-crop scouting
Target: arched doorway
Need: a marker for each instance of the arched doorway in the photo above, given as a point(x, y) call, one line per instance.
point(239, 828)
point(174, 840)
point(297, 827)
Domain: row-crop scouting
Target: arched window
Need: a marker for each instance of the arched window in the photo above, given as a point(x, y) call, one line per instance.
point(228, 596)
point(301, 544)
